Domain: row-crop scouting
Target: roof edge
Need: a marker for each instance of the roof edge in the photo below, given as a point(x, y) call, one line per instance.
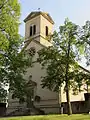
point(39, 13)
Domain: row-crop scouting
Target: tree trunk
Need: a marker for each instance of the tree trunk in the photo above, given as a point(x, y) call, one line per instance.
point(67, 79)
point(60, 101)
point(68, 100)
point(67, 94)
point(87, 88)
point(29, 103)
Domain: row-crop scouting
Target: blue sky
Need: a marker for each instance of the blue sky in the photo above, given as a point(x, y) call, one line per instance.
point(78, 11)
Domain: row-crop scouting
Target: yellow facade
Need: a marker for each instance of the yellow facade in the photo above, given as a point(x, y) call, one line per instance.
point(49, 100)
point(38, 41)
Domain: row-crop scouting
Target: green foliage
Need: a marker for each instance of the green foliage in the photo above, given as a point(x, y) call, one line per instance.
point(84, 47)
point(24, 92)
point(60, 61)
point(85, 39)
point(55, 58)
point(9, 20)
point(3, 93)
point(13, 63)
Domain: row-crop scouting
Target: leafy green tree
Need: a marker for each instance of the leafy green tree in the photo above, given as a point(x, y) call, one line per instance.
point(84, 41)
point(26, 93)
point(13, 63)
point(60, 61)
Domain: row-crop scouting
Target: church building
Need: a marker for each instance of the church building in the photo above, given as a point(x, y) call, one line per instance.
point(38, 25)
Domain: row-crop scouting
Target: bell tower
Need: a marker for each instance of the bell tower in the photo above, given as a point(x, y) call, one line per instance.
point(38, 26)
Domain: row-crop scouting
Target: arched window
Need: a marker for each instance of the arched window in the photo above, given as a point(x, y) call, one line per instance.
point(34, 29)
point(30, 30)
point(46, 30)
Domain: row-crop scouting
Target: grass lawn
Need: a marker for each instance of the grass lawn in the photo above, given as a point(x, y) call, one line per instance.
point(50, 117)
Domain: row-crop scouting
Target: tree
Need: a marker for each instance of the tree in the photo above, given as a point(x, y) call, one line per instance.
point(60, 63)
point(26, 93)
point(13, 63)
point(85, 42)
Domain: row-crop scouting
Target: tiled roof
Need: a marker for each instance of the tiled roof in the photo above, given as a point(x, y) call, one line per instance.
point(36, 13)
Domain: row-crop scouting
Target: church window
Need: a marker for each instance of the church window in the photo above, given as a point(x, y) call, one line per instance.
point(34, 29)
point(31, 51)
point(30, 30)
point(46, 30)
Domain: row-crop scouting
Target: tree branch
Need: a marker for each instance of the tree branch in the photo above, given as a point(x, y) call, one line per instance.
point(84, 69)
